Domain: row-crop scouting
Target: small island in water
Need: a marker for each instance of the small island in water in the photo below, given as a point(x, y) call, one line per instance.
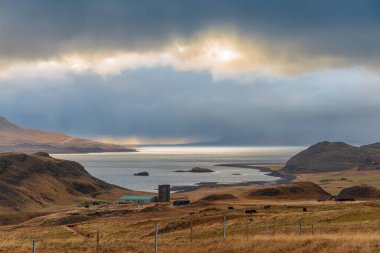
point(197, 170)
point(143, 174)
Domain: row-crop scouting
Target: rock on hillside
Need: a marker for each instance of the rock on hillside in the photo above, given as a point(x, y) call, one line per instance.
point(296, 190)
point(38, 181)
point(333, 156)
point(15, 138)
point(216, 197)
point(361, 191)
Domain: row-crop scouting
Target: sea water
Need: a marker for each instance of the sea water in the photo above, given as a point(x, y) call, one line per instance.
point(162, 162)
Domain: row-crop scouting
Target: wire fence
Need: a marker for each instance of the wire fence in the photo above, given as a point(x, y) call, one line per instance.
point(197, 227)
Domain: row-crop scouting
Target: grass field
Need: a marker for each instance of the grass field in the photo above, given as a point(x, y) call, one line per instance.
point(283, 227)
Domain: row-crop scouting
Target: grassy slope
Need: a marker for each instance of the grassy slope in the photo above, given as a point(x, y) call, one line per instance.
point(34, 185)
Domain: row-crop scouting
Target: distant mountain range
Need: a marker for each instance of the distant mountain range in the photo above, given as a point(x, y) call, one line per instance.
point(16, 138)
point(334, 156)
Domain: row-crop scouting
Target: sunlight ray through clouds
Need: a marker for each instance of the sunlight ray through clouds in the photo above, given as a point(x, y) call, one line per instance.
point(217, 57)
point(223, 57)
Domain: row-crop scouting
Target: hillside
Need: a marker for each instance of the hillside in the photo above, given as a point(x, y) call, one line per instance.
point(38, 181)
point(333, 156)
point(361, 191)
point(296, 190)
point(16, 138)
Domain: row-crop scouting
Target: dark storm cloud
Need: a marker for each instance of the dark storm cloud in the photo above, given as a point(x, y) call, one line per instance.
point(161, 102)
point(343, 28)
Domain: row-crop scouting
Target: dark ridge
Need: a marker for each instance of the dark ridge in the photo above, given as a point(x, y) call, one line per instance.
point(333, 156)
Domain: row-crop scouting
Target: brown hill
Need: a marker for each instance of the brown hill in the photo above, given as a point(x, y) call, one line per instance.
point(333, 156)
point(361, 191)
point(32, 182)
point(15, 138)
point(296, 190)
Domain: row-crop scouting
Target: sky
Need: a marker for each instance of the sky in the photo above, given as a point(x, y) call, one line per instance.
point(236, 72)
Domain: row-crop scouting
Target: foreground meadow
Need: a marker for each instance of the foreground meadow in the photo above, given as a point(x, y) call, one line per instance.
point(277, 226)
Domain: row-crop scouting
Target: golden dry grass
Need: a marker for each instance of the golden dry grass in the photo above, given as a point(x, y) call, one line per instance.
point(62, 241)
point(330, 227)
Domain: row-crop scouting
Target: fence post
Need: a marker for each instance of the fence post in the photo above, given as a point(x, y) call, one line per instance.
point(300, 227)
point(312, 229)
point(34, 247)
point(191, 227)
point(267, 231)
point(156, 239)
point(247, 228)
point(224, 226)
point(97, 241)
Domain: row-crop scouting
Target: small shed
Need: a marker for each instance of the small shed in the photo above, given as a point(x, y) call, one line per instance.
point(344, 198)
point(137, 199)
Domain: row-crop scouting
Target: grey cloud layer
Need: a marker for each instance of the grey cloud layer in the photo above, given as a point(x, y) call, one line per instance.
point(342, 28)
point(165, 103)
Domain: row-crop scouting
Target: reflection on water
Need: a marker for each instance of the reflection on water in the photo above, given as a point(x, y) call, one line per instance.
point(161, 162)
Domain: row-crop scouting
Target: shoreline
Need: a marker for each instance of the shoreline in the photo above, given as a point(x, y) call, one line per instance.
point(84, 152)
point(283, 179)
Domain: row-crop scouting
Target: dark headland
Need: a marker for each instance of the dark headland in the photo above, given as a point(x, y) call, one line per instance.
point(334, 156)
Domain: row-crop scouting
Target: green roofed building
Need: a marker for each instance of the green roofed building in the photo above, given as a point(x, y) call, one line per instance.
point(137, 199)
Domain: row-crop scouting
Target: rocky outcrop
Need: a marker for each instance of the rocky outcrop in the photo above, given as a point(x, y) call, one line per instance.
point(216, 197)
point(333, 156)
